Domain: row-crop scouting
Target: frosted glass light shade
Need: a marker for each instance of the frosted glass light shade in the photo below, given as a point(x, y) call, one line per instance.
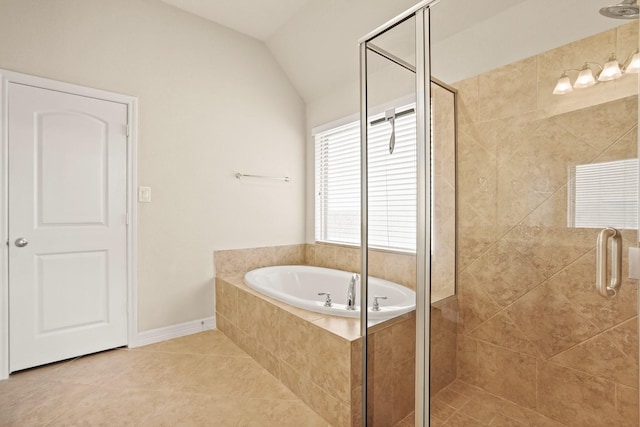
point(563, 86)
point(585, 79)
point(634, 64)
point(610, 71)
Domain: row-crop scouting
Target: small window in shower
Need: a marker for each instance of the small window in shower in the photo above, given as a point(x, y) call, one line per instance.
point(604, 195)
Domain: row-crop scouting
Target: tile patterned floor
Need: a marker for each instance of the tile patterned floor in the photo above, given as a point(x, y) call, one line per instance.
point(463, 405)
point(198, 380)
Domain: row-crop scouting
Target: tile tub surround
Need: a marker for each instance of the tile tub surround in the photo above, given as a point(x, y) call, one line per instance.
point(317, 356)
point(533, 330)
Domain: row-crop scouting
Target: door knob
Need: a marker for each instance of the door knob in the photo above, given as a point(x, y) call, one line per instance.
point(21, 242)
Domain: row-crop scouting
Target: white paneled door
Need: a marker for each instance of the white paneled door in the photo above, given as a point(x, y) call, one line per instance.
point(67, 225)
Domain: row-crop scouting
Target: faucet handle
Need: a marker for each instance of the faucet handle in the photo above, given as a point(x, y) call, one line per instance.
point(327, 301)
point(376, 304)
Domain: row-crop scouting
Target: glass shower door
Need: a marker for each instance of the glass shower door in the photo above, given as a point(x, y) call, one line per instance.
point(396, 225)
point(540, 176)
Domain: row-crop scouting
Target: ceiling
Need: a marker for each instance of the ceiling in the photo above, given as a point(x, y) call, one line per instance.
point(316, 41)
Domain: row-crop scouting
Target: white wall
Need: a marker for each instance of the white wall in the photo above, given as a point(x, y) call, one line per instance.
point(211, 102)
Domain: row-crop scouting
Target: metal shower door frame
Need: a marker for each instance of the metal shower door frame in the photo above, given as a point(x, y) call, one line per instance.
point(423, 256)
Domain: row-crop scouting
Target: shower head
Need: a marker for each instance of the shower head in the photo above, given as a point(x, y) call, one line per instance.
point(628, 9)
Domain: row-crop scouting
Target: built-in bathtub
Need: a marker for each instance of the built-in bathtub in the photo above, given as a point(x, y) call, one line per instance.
point(324, 290)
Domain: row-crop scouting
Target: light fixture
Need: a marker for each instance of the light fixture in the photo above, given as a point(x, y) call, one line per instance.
point(633, 67)
point(585, 78)
point(563, 86)
point(611, 70)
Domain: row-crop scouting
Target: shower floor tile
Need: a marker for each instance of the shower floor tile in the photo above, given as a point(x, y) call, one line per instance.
point(198, 380)
point(462, 404)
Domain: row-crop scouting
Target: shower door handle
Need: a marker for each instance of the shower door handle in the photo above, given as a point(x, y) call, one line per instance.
point(602, 255)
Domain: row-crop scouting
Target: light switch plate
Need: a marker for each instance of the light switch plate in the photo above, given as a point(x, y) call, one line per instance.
point(634, 263)
point(144, 194)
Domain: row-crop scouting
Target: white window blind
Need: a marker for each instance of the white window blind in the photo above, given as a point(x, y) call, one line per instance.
point(392, 184)
point(604, 195)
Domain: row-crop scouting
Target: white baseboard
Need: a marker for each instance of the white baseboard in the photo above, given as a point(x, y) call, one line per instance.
point(174, 331)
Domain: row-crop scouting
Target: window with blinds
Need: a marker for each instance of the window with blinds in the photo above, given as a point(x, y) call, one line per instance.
point(392, 184)
point(604, 195)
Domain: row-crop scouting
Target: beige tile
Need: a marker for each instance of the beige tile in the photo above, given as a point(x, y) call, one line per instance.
point(158, 371)
point(260, 257)
point(325, 256)
point(478, 164)
point(331, 364)
point(576, 284)
point(198, 410)
point(208, 342)
point(380, 405)
point(259, 413)
point(627, 405)
point(625, 337)
point(574, 398)
point(289, 255)
point(37, 403)
point(401, 268)
point(545, 240)
point(299, 383)
point(504, 274)
point(543, 161)
point(452, 398)
point(310, 254)
point(603, 124)
point(443, 349)
point(229, 262)
point(599, 356)
point(504, 421)
point(236, 377)
point(501, 331)
point(227, 328)
point(346, 328)
point(116, 407)
point(440, 410)
point(626, 147)
point(507, 374)
point(337, 413)
point(476, 306)
point(403, 336)
point(464, 389)
point(517, 86)
point(468, 100)
point(265, 358)
point(527, 417)
point(227, 300)
point(483, 407)
point(348, 259)
point(403, 384)
point(537, 313)
point(295, 348)
point(462, 420)
point(376, 264)
point(260, 320)
point(97, 369)
point(467, 358)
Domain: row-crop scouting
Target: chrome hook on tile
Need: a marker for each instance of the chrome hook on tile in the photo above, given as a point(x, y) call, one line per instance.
point(610, 290)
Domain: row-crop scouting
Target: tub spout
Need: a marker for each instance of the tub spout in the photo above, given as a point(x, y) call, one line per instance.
point(351, 293)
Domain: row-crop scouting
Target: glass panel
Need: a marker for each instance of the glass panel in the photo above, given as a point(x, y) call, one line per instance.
point(392, 210)
point(540, 174)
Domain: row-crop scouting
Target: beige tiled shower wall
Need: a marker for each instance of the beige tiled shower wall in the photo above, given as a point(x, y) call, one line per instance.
point(533, 328)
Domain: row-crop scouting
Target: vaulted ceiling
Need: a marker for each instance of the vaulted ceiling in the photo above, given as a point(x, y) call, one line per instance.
point(316, 41)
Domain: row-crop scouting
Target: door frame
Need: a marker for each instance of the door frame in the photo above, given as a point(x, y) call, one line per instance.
point(7, 77)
